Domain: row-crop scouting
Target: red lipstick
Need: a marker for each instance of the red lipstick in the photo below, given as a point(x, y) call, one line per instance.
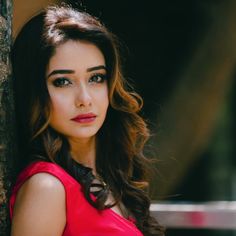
point(85, 118)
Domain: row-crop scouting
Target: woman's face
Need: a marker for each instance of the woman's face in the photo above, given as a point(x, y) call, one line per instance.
point(78, 89)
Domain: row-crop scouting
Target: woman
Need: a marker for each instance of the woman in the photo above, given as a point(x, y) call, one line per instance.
point(82, 171)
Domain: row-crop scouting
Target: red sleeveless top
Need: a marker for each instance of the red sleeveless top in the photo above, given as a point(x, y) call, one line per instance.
point(82, 219)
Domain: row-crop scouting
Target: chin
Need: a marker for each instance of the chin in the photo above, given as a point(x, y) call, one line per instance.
point(84, 135)
point(80, 133)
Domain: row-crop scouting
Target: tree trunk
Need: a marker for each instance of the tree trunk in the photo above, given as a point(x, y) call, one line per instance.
point(6, 114)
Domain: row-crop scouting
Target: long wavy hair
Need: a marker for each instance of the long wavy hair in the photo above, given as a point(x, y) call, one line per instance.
point(120, 141)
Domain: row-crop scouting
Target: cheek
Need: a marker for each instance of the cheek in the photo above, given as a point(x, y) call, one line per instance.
point(103, 99)
point(59, 104)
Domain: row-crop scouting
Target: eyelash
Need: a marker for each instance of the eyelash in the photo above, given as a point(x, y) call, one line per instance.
point(60, 82)
point(102, 77)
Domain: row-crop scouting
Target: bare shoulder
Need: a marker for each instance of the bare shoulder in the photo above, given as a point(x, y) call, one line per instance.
point(43, 181)
point(40, 207)
point(41, 187)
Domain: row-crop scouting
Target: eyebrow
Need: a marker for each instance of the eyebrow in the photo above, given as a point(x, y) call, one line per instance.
point(62, 71)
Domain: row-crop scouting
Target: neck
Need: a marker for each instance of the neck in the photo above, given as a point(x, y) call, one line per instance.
point(84, 152)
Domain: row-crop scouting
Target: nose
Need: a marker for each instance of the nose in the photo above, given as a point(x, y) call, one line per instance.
point(83, 97)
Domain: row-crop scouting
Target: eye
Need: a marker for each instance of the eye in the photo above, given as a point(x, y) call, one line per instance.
point(97, 78)
point(61, 82)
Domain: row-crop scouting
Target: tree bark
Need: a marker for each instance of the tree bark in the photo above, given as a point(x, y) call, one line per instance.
point(6, 114)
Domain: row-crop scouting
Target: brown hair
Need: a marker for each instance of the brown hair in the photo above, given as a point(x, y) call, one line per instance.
point(120, 160)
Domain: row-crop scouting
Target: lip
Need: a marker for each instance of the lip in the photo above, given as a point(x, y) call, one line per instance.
point(85, 118)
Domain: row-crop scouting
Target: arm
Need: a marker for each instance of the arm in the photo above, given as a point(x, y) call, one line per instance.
point(40, 207)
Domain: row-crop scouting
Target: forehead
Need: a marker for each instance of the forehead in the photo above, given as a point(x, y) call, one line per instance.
point(76, 55)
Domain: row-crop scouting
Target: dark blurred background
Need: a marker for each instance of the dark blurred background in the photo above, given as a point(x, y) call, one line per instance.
point(180, 56)
point(162, 41)
point(177, 55)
